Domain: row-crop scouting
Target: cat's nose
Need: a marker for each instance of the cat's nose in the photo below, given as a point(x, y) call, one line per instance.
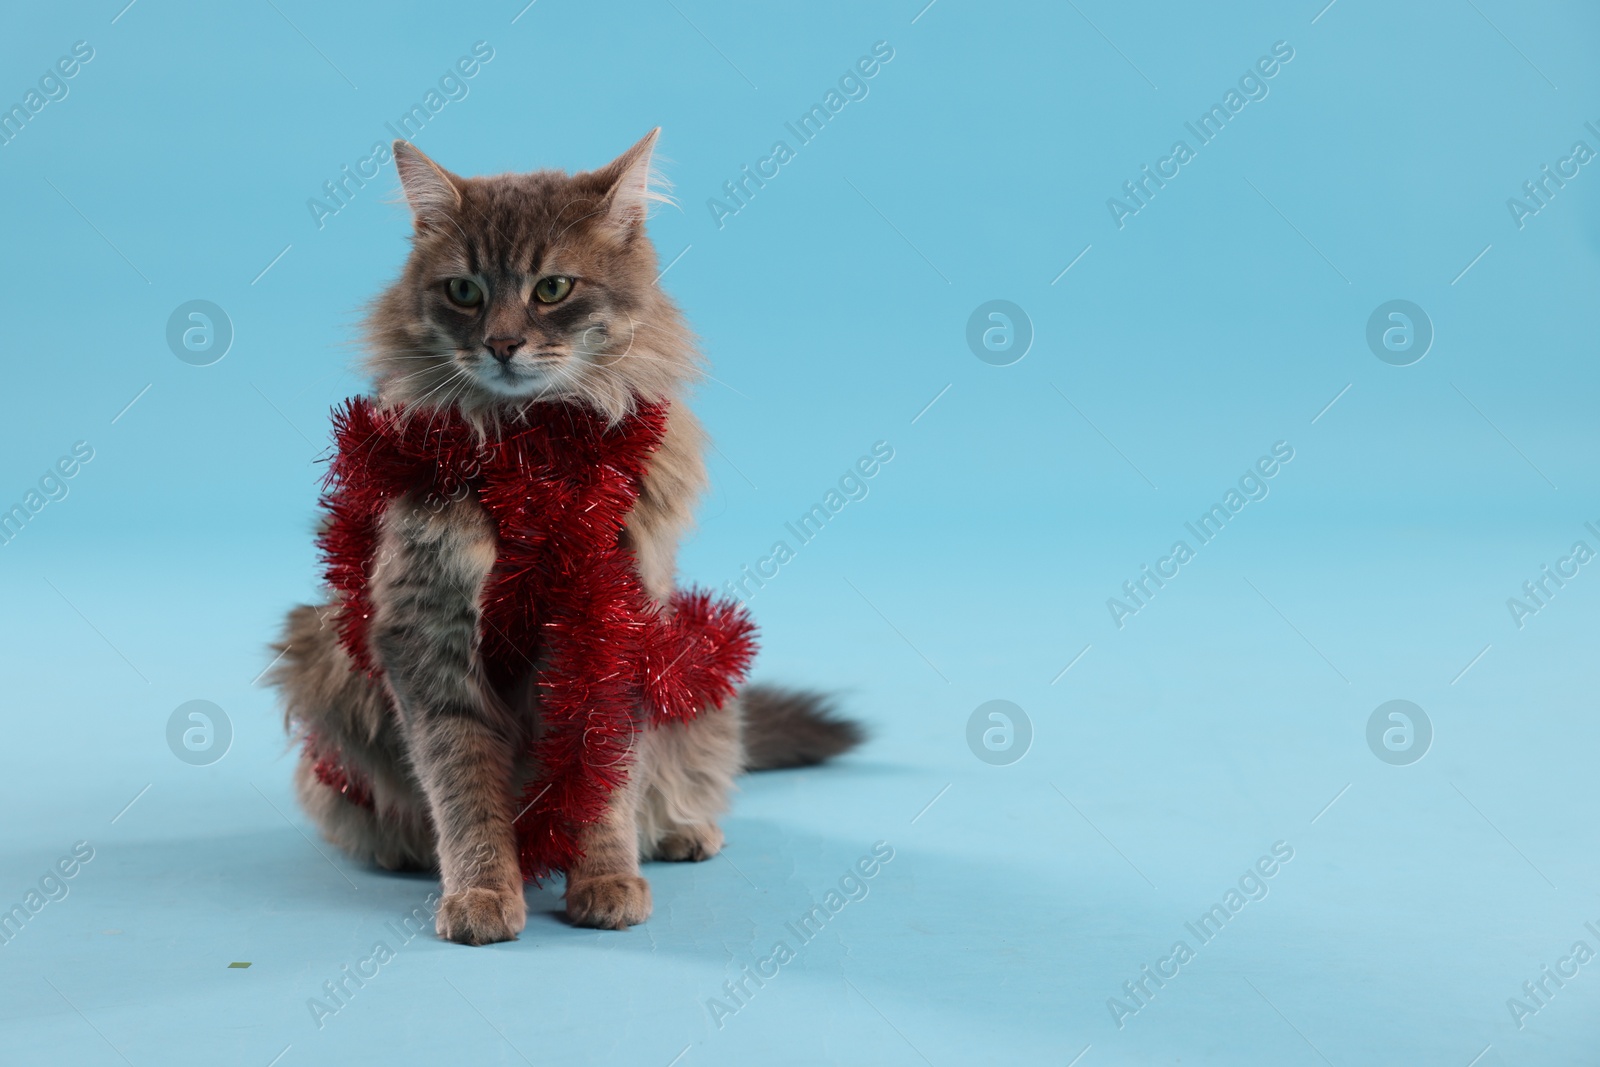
point(503, 348)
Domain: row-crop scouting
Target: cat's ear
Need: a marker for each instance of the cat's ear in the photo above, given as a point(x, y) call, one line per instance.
point(432, 191)
point(632, 184)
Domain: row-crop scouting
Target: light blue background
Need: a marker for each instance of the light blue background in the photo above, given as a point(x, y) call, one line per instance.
point(1223, 718)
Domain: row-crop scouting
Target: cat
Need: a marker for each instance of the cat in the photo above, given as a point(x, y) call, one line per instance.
point(521, 293)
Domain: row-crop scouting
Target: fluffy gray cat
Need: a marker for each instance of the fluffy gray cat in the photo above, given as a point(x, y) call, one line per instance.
point(521, 292)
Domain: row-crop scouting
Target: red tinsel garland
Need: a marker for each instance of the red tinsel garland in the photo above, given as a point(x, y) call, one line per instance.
point(564, 591)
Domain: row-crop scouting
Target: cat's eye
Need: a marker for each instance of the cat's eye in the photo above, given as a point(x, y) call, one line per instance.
point(552, 290)
point(464, 291)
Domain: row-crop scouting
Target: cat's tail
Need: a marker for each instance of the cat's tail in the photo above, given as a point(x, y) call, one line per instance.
point(792, 728)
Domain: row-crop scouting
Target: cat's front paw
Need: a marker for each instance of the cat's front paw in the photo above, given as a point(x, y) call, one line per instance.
point(482, 916)
point(608, 901)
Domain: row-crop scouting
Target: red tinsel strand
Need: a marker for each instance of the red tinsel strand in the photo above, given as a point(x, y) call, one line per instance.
point(333, 774)
point(564, 588)
point(584, 684)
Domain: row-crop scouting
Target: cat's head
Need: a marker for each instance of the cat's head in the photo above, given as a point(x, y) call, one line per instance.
point(522, 288)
